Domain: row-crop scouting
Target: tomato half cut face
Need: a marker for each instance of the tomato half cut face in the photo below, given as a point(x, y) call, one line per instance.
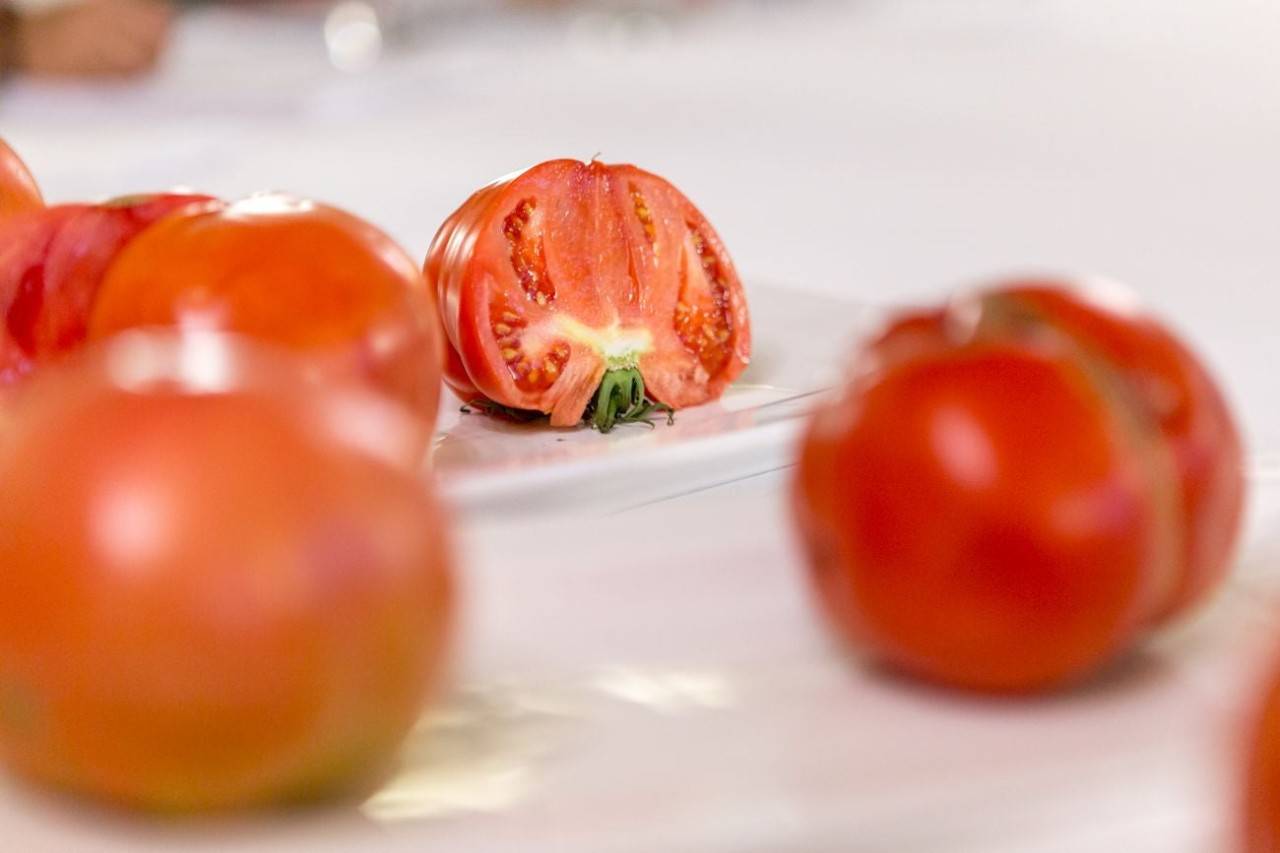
point(553, 278)
point(18, 190)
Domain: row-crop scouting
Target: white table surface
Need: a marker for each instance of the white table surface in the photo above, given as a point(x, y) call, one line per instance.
point(878, 151)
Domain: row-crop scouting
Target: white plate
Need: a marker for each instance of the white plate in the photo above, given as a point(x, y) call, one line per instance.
point(489, 466)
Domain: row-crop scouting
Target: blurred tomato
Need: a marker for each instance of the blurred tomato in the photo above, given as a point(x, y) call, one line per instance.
point(220, 586)
point(291, 272)
point(1175, 393)
point(1262, 790)
point(983, 516)
point(18, 190)
point(51, 265)
point(1013, 487)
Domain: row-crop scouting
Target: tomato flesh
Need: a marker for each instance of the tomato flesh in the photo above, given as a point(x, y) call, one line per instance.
point(548, 279)
point(213, 594)
point(52, 262)
point(18, 190)
point(290, 272)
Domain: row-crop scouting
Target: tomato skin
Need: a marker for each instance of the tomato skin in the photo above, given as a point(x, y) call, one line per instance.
point(1179, 396)
point(548, 278)
point(292, 272)
point(52, 262)
point(982, 514)
point(210, 596)
point(1260, 825)
point(18, 190)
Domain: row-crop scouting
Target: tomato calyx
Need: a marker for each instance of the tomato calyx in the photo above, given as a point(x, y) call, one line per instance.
point(622, 400)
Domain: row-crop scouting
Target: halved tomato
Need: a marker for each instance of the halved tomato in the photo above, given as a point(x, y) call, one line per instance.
point(18, 190)
point(577, 280)
point(52, 262)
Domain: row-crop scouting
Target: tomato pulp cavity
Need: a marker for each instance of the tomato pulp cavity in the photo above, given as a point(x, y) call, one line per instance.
point(573, 282)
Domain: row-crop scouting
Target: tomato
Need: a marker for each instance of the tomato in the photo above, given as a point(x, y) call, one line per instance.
point(52, 263)
point(18, 190)
point(1261, 824)
point(982, 513)
point(1015, 486)
point(220, 585)
point(292, 272)
point(1177, 395)
point(549, 280)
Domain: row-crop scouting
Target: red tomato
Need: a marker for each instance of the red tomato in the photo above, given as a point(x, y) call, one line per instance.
point(214, 592)
point(291, 272)
point(1013, 487)
point(52, 263)
point(18, 190)
point(1175, 394)
point(550, 279)
point(1262, 791)
point(983, 513)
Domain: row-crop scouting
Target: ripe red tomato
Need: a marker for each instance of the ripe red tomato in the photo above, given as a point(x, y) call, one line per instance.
point(550, 279)
point(214, 593)
point(983, 516)
point(52, 263)
point(291, 272)
point(1177, 395)
point(18, 190)
point(1012, 488)
point(1261, 824)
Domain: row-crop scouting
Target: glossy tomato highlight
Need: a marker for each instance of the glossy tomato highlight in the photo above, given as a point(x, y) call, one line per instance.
point(52, 263)
point(18, 190)
point(221, 585)
point(291, 272)
point(573, 281)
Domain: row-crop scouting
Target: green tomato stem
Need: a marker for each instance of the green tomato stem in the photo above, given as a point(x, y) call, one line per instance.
point(621, 399)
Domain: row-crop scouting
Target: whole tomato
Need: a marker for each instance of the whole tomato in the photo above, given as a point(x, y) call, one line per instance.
point(18, 190)
point(291, 272)
point(1004, 497)
point(1173, 391)
point(52, 262)
point(220, 585)
point(983, 517)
